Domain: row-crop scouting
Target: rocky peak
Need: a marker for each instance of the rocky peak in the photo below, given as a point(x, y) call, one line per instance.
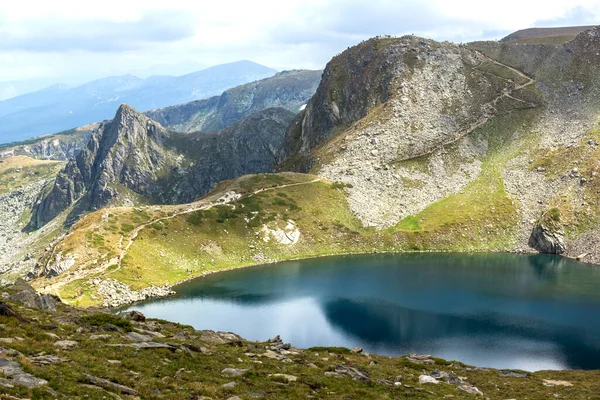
point(429, 91)
point(127, 150)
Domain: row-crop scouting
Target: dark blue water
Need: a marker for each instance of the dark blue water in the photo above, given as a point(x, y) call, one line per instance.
point(497, 310)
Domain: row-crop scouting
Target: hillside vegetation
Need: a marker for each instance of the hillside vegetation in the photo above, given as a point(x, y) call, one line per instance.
point(51, 351)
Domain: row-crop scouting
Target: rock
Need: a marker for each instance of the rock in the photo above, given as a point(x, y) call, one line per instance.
point(289, 378)
point(52, 335)
point(16, 375)
point(234, 398)
point(66, 344)
point(439, 374)
point(220, 337)
point(427, 379)
point(139, 337)
point(133, 315)
point(116, 293)
point(100, 337)
point(513, 373)
point(229, 385)
point(43, 360)
point(353, 372)
point(357, 350)
point(546, 239)
point(420, 359)
point(145, 345)
point(551, 382)
point(113, 361)
point(465, 387)
point(234, 371)
point(29, 298)
point(106, 384)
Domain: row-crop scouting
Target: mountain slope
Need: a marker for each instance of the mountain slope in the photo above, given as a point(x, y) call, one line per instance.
point(134, 159)
point(554, 35)
point(59, 108)
point(289, 90)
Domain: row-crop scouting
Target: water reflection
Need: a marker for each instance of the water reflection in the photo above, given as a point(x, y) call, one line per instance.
point(502, 310)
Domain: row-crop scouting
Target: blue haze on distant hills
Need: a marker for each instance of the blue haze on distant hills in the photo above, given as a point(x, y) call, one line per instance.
point(58, 108)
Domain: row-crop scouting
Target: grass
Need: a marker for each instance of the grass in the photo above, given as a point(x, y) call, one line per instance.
point(101, 320)
point(165, 374)
point(227, 237)
point(482, 216)
point(19, 171)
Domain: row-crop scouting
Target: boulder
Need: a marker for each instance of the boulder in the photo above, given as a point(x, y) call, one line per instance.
point(133, 315)
point(547, 236)
point(234, 371)
point(428, 379)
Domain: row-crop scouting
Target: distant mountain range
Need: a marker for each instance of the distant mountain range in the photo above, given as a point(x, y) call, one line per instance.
point(59, 107)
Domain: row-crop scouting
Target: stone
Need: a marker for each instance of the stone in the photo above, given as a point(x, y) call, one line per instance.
point(66, 344)
point(139, 337)
point(547, 240)
point(100, 337)
point(289, 378)
point(17, 377)
point(428, 379)
point(234, 371)
point(133, 315)
point(234, 398)
point(357, 350)
point(513, 373)
point(420, 359)
point(465, 387)
point(43, 360)
point(229, 385)
point(551, 382)
point(145, 345)
point(108, 385)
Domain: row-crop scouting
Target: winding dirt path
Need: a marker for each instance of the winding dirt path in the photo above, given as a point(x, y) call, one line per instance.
point(201, 205)
point(507, 92)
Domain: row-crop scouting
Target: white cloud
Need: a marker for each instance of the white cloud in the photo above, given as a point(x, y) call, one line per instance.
point(67, 38)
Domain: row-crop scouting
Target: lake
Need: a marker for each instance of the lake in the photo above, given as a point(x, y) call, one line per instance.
point(529, 312)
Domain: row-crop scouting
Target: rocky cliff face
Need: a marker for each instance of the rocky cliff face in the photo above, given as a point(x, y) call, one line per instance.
point(133, 158)
point(249, 146)
point(61, 146)
point(289, 90)
point(126, 151)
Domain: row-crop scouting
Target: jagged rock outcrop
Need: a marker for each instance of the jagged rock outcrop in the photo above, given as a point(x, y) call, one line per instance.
point(126, 151)
point(133, 155)
point(289, 90)
point(547, 240)
point(247, 147)
point(61, 146)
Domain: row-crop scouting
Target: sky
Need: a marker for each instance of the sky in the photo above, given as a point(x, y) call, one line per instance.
point(72, 40)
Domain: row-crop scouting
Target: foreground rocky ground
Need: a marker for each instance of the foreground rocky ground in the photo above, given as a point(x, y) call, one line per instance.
point(50, 350)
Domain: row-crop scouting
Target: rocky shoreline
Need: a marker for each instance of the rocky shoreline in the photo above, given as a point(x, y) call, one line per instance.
point(51, 350)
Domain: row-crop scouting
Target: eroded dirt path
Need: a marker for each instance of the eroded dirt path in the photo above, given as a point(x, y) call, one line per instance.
point(70, 275)
point(506, 93)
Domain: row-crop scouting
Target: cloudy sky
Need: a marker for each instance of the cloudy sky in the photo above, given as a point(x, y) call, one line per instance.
point(71, 40)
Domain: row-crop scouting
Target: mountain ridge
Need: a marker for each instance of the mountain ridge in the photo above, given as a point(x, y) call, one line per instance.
point(60, 108)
